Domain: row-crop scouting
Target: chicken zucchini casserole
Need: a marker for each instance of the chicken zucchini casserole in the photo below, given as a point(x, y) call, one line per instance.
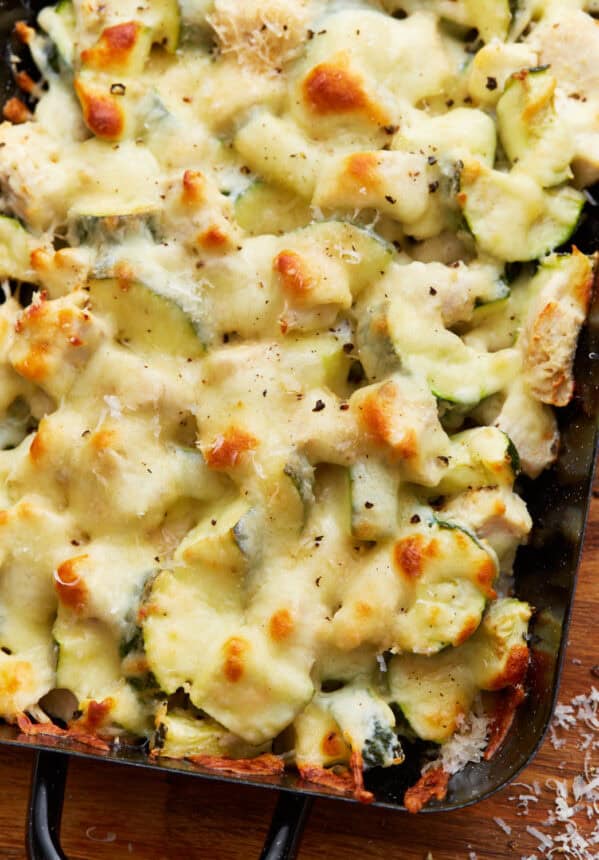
point(303, 305)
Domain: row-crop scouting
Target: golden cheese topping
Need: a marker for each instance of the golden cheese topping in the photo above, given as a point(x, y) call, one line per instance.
point(286, 353)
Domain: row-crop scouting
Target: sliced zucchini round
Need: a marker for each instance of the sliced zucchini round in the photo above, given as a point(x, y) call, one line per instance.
point(264, 208)
point(144, 319)
point(481, 457)
point(534, 138)
point(512, 217)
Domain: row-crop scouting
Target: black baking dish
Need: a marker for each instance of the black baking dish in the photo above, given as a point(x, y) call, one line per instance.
point(546, 572)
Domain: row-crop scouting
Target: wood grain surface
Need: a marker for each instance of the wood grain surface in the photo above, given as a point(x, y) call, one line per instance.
point(116, 813)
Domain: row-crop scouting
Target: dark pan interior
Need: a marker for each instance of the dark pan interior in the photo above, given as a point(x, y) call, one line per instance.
point(545, 570)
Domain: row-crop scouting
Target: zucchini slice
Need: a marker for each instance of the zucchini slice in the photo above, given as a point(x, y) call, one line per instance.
point(435, 692)
point(144, 319)
point(264, 208)
point(181, 733)
point(482, 457)
point(511, 217)
point(59, 23)
point(114, 228)
point(365, 254)
point(168, 25)
point(16, 245)
point(216, 540)
point(451, 575)
point(454, 371)
point(534, 138)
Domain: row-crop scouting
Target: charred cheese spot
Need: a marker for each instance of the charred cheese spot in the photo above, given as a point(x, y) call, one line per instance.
point(362, 169)
point(19, 676)
point(15, 111)
point(235, 650)
point(331, 89)
point(71, 589)
point(34, 365)
point(467, 630)
point(432, 784)
point(125, 275)
point(515, 669)
point(213, 239)
point(485, 576)
point(333, 745)
point(294, 278)
point(96, 715)
point(508, 701)
point(102, 113)
point(114, 48)
point(24, 33)
point(193, 187)
point(227, 450)
point(363, 609)
point(103, 440)
point(377, 417)
point(25, 82)
point(409, 554)
point(40, 260)
point(281, 625)
point(262, 765)
point(39, 443)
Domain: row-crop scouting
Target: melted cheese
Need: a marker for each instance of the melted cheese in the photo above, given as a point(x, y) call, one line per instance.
point(233, 475)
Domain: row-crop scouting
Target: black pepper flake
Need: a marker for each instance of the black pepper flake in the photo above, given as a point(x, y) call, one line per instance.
point(225, 338)
point(319, 406)
point(415, 519)
point(118, 89)
point(390, 129)
point(264, 393)
point(390, 199)
point(449, 103)
point(6, 650)
point(368, 505)
point(317, 581)
point(348, 347)
point(399, 14)
point(245, 170)
point(432, 187)
point(444, 460)
point(432, 291)
point(491, 83)
point(344, 407)
point(213, 522)
point(431, 160)
point(74, 542)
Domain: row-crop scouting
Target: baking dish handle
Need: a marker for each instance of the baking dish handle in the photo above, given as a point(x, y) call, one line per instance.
point(286, 828)
point(48, 783)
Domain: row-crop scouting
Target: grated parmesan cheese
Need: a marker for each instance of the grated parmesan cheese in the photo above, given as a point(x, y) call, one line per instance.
point(571, 800)
point(467, 745)
point(502, 825)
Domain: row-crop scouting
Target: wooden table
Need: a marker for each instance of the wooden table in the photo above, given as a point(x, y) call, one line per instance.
point(115, 813)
